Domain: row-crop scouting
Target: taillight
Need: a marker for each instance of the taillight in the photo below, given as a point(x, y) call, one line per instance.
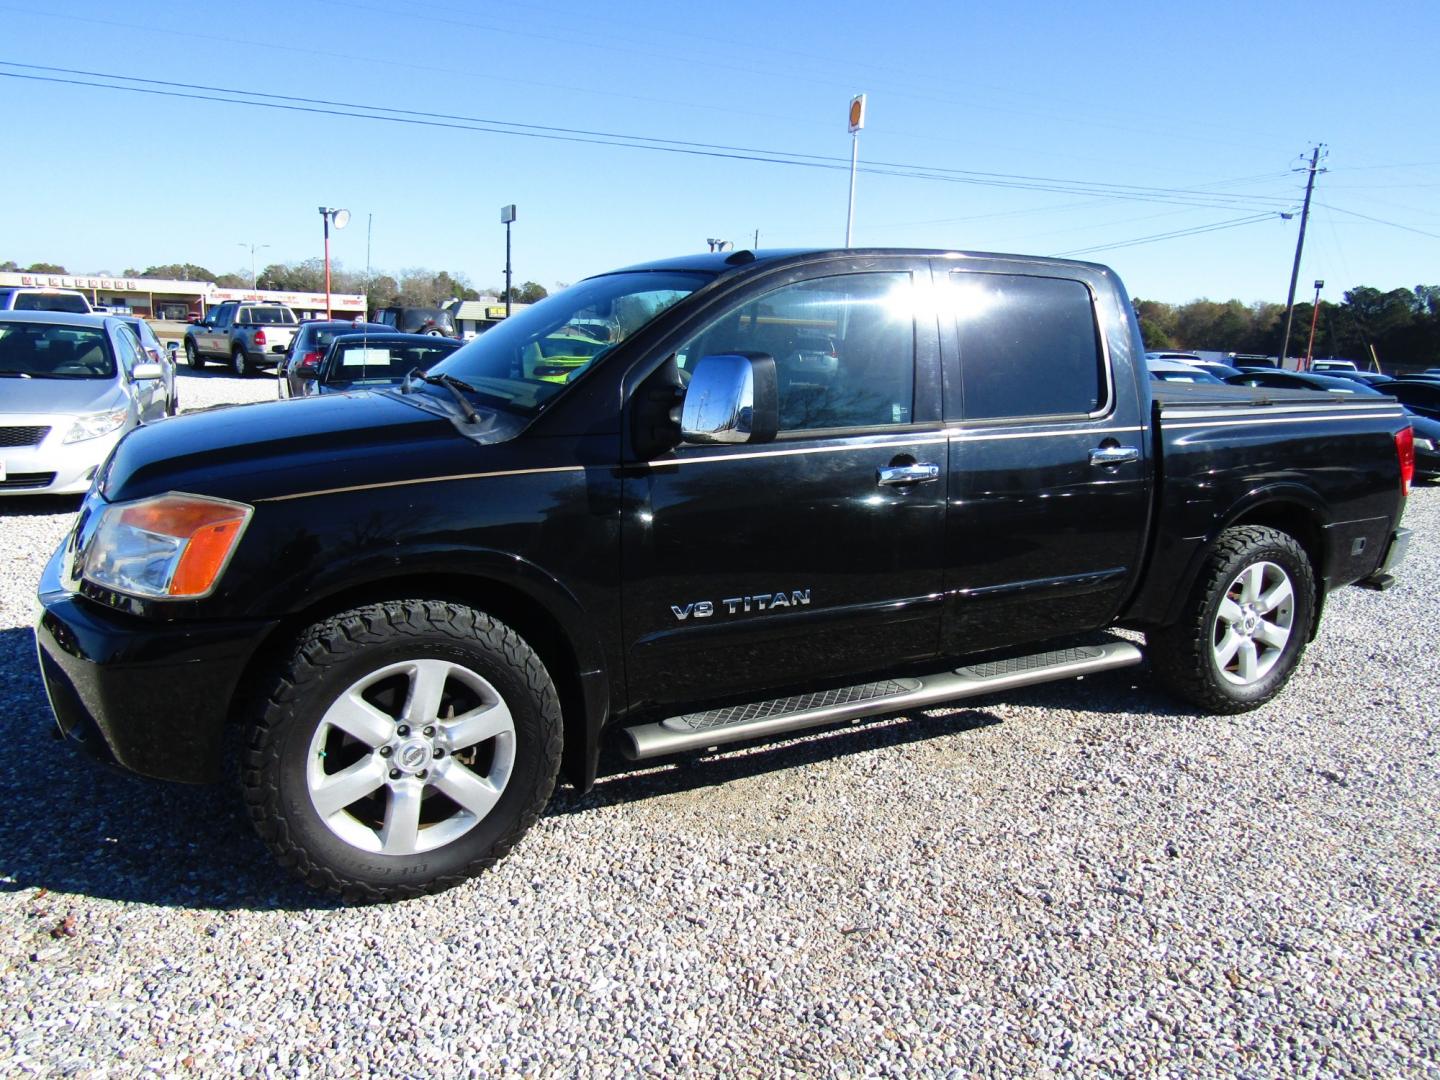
point(310, 359)
point(1405, 451)
point(259, 337)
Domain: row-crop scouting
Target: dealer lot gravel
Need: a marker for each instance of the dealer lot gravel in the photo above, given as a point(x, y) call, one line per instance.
point(1042, 881)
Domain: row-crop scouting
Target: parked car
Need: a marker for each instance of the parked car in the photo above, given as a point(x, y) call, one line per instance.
point(1182, 357)
point(307, 348)
point(368, 361)
point(1369, 378)
point(1427, 445)
point(1302, 380)
point(1177, 371)
point(249, 335)
point(423, 603)
point(25, 298)
point(1418, 396)
point(418, 320)
point(160, 355)
point(1330, 365)
point(70, 387)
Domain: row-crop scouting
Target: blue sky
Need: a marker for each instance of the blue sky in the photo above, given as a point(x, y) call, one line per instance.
point(1041, 128)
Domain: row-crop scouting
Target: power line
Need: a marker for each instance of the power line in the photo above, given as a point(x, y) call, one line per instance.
point(324, 106)
point(1378, 221)
point(1233, 223)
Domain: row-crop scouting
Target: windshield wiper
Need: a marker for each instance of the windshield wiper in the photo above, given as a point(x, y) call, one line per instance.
point(450, 383)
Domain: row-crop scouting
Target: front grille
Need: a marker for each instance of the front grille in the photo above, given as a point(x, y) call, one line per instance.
point(18, 481)
point(22, 436)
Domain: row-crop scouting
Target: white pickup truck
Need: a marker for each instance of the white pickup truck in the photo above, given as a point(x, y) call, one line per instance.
point(247, 334)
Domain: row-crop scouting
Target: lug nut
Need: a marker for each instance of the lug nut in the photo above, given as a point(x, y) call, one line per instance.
point(395, 774)
point(439, 751)
point(423, 773)
point(429, 732)
point(386, 751)
point(402, 730)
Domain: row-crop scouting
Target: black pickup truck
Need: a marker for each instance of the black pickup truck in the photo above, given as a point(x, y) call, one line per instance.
point(686, 504)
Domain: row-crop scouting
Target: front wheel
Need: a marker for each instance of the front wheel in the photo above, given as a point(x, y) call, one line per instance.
point(1245, 623)
point(403, 748)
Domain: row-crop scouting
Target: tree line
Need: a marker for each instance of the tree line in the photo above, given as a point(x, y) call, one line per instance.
point(1402, 326)
point(415, 287)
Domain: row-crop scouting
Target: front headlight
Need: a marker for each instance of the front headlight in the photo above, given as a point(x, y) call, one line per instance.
point(93, 425)
point(169, 547)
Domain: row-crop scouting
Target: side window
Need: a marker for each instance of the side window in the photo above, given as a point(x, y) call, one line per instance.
point(844, 348)
point(1029, 346)
point(127, 348)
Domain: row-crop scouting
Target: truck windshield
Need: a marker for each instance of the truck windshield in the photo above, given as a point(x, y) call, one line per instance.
point(528, 358)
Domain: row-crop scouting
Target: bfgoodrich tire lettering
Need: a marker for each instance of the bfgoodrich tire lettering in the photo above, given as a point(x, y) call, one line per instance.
point(402, 748)
point(1244, 625)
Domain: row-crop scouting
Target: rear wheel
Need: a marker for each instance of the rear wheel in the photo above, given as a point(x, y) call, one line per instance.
point(192, 355)
point(1245, 624)
point(404, 747)
point(241, 363)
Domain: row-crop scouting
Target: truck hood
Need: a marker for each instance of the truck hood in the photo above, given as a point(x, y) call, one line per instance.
point(250, 452)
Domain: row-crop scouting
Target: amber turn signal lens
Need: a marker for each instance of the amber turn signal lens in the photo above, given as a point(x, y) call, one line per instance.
point(208, 529)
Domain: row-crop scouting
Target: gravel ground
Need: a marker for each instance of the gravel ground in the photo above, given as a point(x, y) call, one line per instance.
point(1082, 878)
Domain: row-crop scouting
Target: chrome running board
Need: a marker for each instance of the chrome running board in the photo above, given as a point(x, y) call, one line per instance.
point(705, 730)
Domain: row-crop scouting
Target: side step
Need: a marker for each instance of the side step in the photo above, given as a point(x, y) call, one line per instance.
point(703, 730)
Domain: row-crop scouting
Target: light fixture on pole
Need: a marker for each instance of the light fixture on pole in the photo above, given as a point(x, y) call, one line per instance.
point(857, 121)
point(1314, 311)
point(507, 218)
point(253, 248)
point(341, 219)
point(720, 245)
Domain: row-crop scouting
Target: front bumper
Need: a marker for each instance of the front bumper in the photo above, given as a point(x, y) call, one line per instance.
point(152, 697)
point(51, 467)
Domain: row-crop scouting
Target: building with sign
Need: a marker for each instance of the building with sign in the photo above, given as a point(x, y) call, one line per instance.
point(474, 317)
point(178, 301)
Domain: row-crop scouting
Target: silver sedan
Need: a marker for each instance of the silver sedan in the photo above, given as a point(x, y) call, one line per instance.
point(71, 386)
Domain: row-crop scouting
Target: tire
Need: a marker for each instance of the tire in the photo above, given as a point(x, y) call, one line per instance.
point(241, 363)
point(1245, 624)
point(472, 782)
point(192, 356)
point(434, 331)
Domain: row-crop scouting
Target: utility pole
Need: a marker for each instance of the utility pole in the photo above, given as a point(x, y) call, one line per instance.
point(1299, 247)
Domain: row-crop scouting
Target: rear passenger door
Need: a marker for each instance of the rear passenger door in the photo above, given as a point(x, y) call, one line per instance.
point(751, 568)
point(1049, 480)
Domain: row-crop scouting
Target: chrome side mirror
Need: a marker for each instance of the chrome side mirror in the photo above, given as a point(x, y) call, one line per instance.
point(145, 371)
point(732, 398)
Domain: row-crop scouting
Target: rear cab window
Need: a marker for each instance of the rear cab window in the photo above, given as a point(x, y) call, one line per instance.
point(1029, 348)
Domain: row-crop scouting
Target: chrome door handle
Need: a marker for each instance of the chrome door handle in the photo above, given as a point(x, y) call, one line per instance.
point(1114, 455)
point(895, 475)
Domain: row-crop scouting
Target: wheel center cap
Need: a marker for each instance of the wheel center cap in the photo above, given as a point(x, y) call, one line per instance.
point(1249, 623)
point(413, 755)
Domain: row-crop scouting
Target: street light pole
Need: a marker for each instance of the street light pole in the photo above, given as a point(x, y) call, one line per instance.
point(507, 218)
point(252, 248)
point(341, 219)
point(1314, 312)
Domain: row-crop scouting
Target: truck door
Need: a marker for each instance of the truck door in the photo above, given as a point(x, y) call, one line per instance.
point(751, 568)
point(1049, 477)
point(216, 340)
